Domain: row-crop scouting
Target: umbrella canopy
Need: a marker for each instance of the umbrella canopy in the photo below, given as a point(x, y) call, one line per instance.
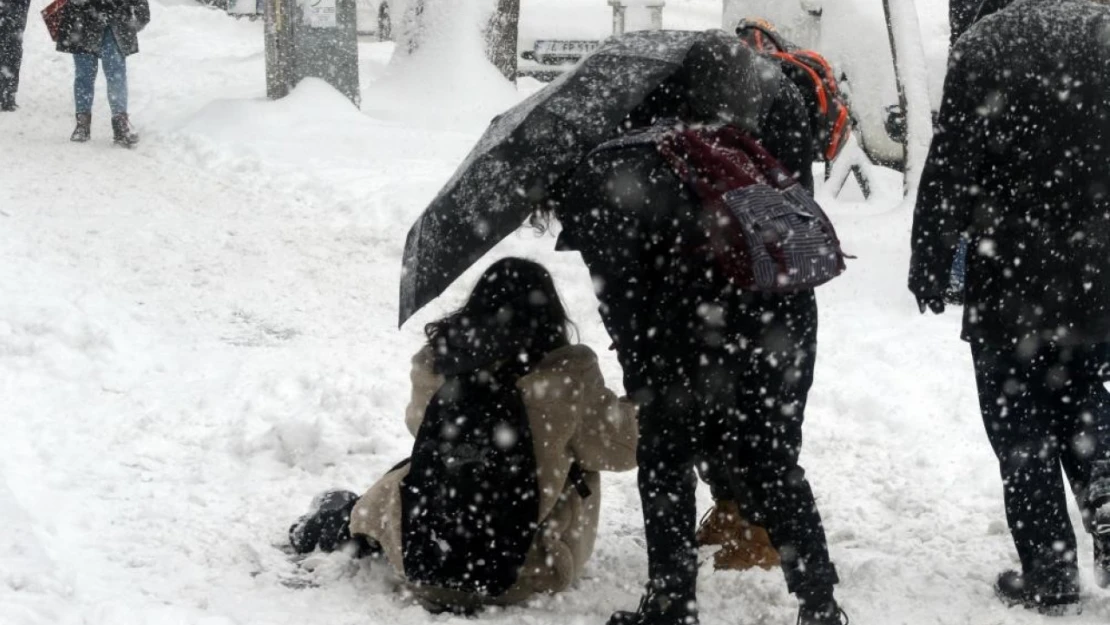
point(529, 147)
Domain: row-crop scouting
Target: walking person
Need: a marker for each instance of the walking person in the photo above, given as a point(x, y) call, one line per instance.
point(721, 374)
point(102, 33)
point(1020, 165)
point(13, 20)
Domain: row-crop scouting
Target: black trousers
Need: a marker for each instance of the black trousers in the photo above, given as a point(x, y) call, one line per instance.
point(732, 398)
point(717, 373)
point(13, 20)
point(1045, 408)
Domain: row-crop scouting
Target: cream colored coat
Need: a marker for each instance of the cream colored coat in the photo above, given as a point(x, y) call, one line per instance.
point(574, 418)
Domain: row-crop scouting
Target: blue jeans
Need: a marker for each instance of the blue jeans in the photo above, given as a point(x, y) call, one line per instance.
point(115, 72)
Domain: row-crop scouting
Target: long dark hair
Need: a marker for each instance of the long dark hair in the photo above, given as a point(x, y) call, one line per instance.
point(512, 319)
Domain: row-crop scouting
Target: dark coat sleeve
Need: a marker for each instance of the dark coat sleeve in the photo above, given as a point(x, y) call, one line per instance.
point(140, 14)
point(949, 182)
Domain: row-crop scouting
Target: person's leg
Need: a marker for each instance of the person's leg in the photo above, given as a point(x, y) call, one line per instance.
point(667, 484)
point(776, 374)
point(115, 72)
point(84, 82)
point(744, 545)
point(1017, 412)
point(1084, 431)
point(1083, 422)
point(13, 21)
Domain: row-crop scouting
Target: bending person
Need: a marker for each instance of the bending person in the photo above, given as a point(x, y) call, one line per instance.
point(718, 372)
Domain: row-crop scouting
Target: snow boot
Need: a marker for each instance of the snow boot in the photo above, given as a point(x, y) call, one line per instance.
point(743, 545)
point(1101, 537)
point(1057, 599)
point(820, 609)
point(325, 525)
point(83, 130)
point(122, 133)
point(660, 608)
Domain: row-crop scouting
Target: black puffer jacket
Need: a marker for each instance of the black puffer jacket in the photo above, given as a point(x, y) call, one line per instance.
point(83, 23)
point(1021, 163)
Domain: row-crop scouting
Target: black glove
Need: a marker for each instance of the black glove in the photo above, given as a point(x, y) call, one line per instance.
point(934, 303)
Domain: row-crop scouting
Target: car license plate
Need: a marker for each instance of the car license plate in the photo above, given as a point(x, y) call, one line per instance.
point(558, 46)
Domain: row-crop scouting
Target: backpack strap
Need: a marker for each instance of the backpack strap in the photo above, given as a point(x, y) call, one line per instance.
point(577, 478)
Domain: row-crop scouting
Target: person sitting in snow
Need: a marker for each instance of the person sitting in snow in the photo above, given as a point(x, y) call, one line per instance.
point(507, 346)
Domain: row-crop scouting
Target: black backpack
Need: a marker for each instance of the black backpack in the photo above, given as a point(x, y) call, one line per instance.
point(470, 502)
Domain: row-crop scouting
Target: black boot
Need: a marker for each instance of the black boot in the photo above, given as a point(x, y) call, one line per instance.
point(658, 607)
point(122, 133)
point(1055, 599)
point(83, 130)
point(819, 608)
point(1101, 537)
point(325, 525)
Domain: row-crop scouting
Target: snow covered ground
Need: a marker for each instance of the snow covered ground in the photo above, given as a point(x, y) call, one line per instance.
point(198, 335)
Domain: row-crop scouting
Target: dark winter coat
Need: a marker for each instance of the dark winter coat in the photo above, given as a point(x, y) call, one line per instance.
point(574, 418)
point(613, 245)
point(83, 23)
point(1020, 163)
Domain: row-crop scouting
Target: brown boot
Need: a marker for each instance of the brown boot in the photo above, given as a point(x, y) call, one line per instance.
point(719, 525)
point(83, 130)
point(122, 133)
point(743, 544)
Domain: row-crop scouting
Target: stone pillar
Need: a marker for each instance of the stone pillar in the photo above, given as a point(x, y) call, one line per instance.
point(315, 38)
point(618, 16)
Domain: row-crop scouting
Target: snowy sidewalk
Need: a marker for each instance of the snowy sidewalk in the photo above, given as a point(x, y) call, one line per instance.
point(198, 335)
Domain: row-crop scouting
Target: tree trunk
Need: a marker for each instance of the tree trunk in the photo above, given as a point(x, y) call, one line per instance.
point(501, 37)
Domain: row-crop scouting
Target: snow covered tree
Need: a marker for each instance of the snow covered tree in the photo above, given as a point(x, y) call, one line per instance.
point(427, 22)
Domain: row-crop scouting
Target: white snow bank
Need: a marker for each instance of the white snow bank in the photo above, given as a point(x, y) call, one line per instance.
point(447, 81)
point(311, 114)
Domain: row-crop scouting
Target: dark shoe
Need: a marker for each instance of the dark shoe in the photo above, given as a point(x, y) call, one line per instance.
point(83, 130)
point(825, 613)
point(1013, 590)
point(325, 525)
point(8, 106)
point(1101, 539)
point(660, 608)
point(122, 134)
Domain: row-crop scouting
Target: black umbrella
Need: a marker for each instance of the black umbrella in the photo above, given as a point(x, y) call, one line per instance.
point(533, 144)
